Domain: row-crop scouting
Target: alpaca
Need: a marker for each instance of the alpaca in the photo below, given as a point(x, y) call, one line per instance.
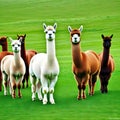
point(13, 69)
point(26, 55)
point(107, 63)
point(3, 43)
point(44, 68)
point(85, 65)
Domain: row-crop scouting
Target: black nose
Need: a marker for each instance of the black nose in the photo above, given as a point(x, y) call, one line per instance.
point(15, 48)
point(75, 39)
point(50, 35)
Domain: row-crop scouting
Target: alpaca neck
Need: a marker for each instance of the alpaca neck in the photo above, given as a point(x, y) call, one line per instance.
point(105, 56)
point(4, 47)
point(17, 58)
point(76, 55)
point(51, 51)
point(23, 51)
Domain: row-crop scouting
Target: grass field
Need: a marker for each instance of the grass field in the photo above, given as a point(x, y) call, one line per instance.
point(98, 17)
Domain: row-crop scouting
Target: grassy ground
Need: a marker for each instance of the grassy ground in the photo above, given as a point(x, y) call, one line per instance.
point(98, 17)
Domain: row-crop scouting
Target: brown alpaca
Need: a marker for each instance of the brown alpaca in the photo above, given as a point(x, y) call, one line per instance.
point(26, 55)
point(3, 43)
point(85, 66)
point(107, 64)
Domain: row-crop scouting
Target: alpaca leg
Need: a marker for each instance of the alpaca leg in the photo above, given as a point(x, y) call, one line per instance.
point(0, 81)
point(19, 91)
point(27, 76)
point(83, 91)
point(13, 85)
point(79, 92)
point(13, 90)
point(38, 89)
point(94, 79)
point(23, 81)
point(20, 78)
point(33, 86)
point(5, 78)
point(51, 89)
point(44, 83)
point(10, 87)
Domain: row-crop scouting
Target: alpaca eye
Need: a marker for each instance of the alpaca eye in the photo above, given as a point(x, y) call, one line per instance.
point(46, 32)
point(13, 45)
point(53, 31)
point(18, 45)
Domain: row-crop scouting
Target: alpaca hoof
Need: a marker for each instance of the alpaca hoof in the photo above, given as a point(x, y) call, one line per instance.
point(5, 93)
point(40, 98)
point(20, 96)
point(52, 101)
point(13, 96)
point(33, 97)
point(27, 86)
point(84, 97)
point(79, 98)
point(44, 101)
point(91, 94)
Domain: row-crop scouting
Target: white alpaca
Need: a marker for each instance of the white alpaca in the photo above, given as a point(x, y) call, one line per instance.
point(13, 69)
point(44, 68)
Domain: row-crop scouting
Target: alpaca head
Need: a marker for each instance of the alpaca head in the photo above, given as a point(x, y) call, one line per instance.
point(16, 45)
point(22, 37)
point(50, 31)
point(75, 34)
point(107, 41)
point(3, 40)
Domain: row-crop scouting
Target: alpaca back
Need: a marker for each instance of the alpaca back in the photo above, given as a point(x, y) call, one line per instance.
point(6, 61)
point(93, 61)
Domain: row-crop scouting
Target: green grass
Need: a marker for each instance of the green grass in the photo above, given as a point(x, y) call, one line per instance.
point(98, 17)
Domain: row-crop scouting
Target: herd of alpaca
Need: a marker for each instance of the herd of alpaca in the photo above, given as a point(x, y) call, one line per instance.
point(43, 68)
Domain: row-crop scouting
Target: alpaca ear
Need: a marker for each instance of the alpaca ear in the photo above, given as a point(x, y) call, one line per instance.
point(20, 40)
point(24, 35)
point(10, 39)
point(55, 26)
point(44, 26)
point(69, 29)
point(102, 36)
point(81, 28)
point(111, 36)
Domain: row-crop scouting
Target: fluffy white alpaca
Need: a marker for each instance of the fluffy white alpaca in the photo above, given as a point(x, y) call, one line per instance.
point(44, 68)
point(13, 69)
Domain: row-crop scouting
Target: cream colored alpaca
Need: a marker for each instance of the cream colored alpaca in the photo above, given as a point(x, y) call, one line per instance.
point(13, 69)
point(44, 68)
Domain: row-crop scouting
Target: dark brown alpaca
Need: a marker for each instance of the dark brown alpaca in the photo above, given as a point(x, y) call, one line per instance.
point(107, 64)
point(3, 43)
point(85, 66)
point(26, 55)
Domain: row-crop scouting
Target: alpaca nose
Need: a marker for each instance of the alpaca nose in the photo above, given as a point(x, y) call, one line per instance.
point(75, 39)
point(15, 48)
point(50, 35)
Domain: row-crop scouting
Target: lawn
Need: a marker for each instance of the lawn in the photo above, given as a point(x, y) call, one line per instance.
point(97, 17)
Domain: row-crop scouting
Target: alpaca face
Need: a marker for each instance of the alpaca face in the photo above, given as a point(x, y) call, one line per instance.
point(75, 38)
point(50, 32)
point(107, 41)
point(16, 45)
point(75, 34)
